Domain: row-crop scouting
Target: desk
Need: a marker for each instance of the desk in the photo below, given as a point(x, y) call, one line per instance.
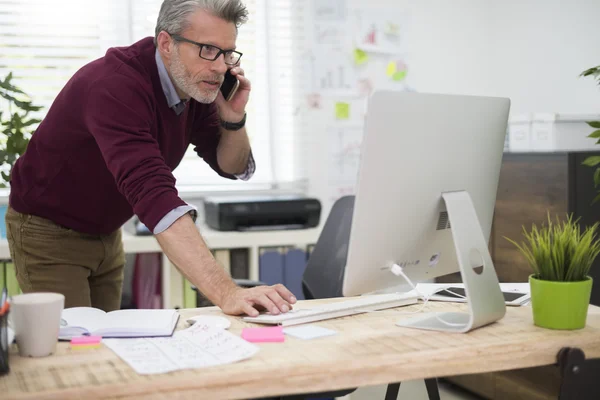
point(368, 350)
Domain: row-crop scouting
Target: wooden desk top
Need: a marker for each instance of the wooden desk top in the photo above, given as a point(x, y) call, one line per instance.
point(369, 349)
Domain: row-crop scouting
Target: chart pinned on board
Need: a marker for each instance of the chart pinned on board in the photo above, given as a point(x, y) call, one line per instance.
point(329, 10)
point(379, 31)
point(344, 153)
point(396, 70)
point(333, 73)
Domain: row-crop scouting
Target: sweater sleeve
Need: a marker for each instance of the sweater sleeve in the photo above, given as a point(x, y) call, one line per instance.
point(119, 114)
point(206, 137)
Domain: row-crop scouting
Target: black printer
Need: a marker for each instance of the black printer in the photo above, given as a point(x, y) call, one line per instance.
point(250, 213)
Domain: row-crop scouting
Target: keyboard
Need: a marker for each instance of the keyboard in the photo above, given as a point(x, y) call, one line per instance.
point(338, 309)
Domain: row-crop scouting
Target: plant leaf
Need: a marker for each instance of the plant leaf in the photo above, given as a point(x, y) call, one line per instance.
point(591, 71)
point(594, 124)
point(591, 161)
point(595, 134)
point(597, 177)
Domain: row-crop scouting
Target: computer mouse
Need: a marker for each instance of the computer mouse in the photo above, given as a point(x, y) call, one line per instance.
point(210, 321)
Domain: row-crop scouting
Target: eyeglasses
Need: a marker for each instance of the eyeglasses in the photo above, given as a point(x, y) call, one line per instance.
point(211, 53)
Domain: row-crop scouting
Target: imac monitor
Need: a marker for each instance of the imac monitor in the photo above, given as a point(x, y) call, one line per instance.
point(425, 199)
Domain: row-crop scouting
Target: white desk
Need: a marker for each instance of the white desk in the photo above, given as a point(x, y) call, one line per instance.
point(172, 280)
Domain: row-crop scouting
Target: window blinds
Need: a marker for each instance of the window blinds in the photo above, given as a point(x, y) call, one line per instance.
point(44, 43)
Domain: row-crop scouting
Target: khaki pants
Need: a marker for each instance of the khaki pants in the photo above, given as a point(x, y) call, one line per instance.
point(87, 269)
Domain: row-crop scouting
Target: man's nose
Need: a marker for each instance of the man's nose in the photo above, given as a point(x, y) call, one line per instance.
point(219, 65)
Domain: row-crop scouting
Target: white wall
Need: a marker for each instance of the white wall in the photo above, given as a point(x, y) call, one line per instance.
point(539, 49)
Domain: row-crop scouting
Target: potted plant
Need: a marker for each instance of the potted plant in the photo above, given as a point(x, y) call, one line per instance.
point(561, 256)
point(16, 126)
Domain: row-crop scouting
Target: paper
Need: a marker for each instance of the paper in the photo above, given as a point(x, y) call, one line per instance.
point(307, 332)
point(314, 100)
point(379, 30)
point(263, 335)
point(195, 347)
point(396, 70)
point(342, 110)
point(360, 57)
point(344, 154)
point(330, 35)
point(333, 72)
point(329, 10)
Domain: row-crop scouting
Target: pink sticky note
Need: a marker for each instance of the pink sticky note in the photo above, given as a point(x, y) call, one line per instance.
point(86, 340)
point(258, 335)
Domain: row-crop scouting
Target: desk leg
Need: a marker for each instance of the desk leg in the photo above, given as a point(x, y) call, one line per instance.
point(392, 391)
point(430, 384)
point(579, 376)
point(432, 389)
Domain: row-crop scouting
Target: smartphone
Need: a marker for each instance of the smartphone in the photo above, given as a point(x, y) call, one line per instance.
point(229, 86)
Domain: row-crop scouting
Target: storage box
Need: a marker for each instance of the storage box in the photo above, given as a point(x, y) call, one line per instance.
point(519, 133)
point(562, 132)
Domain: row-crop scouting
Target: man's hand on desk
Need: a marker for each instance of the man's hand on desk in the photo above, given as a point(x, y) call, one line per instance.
point(186, 249)
point(275, 299)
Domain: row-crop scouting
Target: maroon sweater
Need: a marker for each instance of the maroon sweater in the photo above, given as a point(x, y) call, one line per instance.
point(108, 144)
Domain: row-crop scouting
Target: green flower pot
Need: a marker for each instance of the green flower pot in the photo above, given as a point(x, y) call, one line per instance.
point(560, 305)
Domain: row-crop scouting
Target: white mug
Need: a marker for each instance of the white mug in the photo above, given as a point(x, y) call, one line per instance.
point(36, 321)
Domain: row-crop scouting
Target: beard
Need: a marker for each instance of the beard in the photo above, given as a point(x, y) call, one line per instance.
point(189, 84)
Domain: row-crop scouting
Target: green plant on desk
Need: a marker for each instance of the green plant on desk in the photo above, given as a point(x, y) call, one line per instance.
point(593, 161)
point(16, 126)
point(561, 256)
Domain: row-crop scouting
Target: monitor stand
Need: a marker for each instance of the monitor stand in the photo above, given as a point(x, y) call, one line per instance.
point(484, 297)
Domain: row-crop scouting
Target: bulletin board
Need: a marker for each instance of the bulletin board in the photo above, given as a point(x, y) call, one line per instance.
point(353, 51)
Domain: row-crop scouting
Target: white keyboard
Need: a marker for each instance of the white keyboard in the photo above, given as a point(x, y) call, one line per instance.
point(338, 309)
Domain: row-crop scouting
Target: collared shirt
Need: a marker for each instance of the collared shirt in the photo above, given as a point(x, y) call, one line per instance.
point(178, 107)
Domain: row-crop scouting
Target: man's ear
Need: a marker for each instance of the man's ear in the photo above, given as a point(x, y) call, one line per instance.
point(164, 44)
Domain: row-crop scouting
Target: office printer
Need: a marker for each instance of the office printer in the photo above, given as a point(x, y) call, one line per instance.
point(249, 213)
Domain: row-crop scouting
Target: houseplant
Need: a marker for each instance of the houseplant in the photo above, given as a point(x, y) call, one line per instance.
point(561, 256)
point(16, 125)
point(593, 161)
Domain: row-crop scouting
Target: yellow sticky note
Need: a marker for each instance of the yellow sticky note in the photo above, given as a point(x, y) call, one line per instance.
point(360, 57)
point(391, 69)
point(342, 110)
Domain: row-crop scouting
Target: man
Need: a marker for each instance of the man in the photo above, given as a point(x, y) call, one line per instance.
point(106, 150)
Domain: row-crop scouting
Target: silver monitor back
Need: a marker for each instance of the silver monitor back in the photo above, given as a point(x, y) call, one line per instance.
point(416, 147)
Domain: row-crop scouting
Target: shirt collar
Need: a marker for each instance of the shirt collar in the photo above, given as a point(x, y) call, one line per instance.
point(168, 88)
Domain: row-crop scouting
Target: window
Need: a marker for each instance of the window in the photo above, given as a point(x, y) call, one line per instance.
point(44, 43)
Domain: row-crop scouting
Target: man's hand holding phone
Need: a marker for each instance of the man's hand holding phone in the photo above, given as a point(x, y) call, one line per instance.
point(234, 95)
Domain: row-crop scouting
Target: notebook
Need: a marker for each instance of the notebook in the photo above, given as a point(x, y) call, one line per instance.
point(78, 321)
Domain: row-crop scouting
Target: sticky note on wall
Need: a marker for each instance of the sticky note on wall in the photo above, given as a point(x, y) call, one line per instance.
point(342, 110)
point(396, 70)
point(360, 57)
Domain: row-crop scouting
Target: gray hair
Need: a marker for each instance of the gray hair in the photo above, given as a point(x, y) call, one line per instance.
point(173, 15)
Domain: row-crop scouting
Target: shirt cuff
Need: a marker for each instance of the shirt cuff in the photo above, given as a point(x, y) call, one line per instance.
point(250, 168)
point(173, 216)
